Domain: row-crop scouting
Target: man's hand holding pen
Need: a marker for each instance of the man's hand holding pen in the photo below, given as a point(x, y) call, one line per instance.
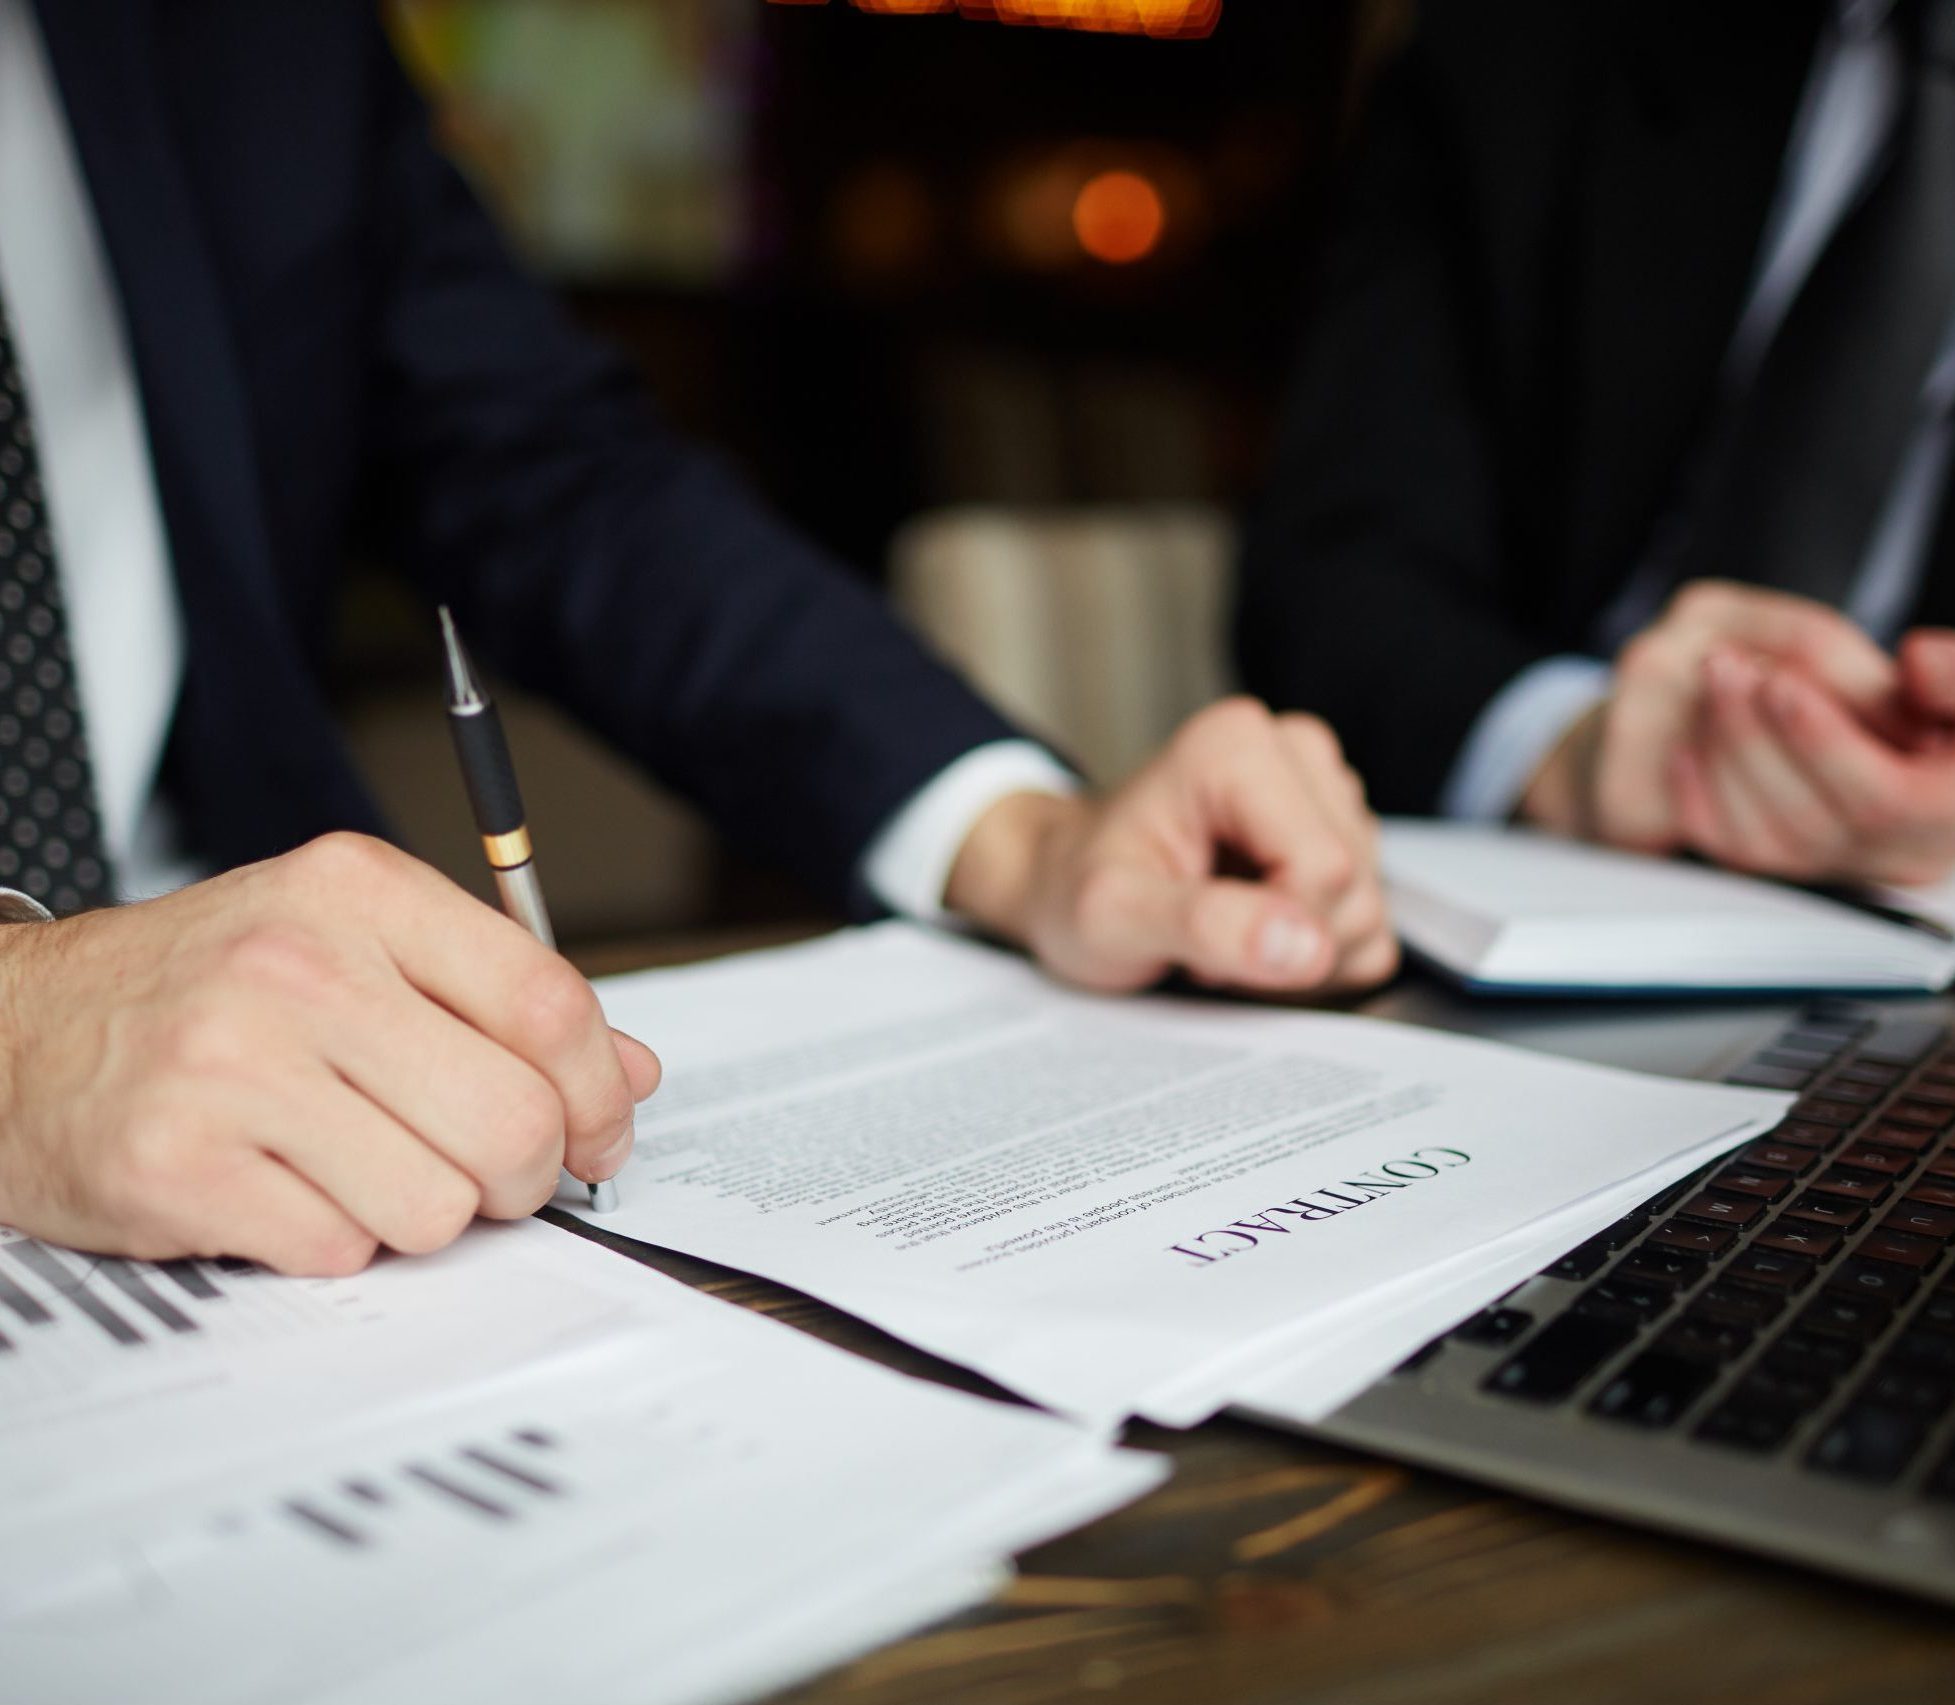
point(300, 1062)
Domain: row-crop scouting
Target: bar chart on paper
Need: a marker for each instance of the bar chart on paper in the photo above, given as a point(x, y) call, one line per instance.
point(70, 1321)
point(499, 1480)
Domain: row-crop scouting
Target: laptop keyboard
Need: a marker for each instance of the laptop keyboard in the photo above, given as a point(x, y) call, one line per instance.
point(1792, 1301)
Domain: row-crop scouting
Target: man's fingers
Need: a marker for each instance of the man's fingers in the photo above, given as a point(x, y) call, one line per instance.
point(1224, 932)
point(477, 1105)
point(494, 976)
point(1792, 629)
point(378, 1173)
point(642, 1068)
point(265, 1212)
point(1267, 795)
point(1781, 824)
point(1927, 662)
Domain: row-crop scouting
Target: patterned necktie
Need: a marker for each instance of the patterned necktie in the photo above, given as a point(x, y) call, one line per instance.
point(50, 830)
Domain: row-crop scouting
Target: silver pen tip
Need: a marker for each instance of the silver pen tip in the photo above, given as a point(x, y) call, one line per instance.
point(464, 692)
point(604, 1197)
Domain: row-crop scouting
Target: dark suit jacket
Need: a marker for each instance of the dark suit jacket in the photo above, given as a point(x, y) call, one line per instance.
point(335, 354)
point(1548, 237)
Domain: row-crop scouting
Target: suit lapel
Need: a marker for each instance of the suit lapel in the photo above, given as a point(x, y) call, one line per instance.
point(255, 761)
point(1689, 131)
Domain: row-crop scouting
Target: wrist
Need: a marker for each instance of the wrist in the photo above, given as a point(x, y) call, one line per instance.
point(994, 879)
point(1556, 795)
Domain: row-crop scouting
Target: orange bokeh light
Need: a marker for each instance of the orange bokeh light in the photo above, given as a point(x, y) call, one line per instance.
point(1170, 20)
point(1119, 217)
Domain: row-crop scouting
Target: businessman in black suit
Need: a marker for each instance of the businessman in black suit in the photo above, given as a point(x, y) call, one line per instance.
point(250, 321)
point(1612, 493)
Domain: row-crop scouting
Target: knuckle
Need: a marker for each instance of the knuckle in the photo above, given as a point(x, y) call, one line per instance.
point(344, 859)
point(1313, 736)
point(1648, 660)
point(557, 1007)
point(529, 1134)
point(331, 1252)
point(443, 1212)
point(1333, 865)
point(1102, 901)
point(1707, 601)
point(1228, 721)
point(160, 1156)
point(1366, 915)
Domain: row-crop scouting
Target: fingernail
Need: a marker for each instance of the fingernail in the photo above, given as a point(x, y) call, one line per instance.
point(608, 1164)
point(1286, 945)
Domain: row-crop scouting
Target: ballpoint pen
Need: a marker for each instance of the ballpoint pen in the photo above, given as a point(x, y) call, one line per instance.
point(490, 778)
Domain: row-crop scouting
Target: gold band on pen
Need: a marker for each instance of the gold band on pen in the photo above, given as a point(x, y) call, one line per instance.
point(506, 852)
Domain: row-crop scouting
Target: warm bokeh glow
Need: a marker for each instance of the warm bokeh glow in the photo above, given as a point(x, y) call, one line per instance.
point(1171, 20)
point(1119, 217)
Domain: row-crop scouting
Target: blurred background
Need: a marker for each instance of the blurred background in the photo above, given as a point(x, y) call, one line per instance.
point(993, 297)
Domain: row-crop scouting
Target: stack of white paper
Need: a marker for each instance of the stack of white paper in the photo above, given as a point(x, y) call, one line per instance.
point(678, 1499)
point(1121, 1207)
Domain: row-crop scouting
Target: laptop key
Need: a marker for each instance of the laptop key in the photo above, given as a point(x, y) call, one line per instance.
point(1864, 1187)
point(1867, 1442)
point(1899, 1247)
point(1921, 1115)
point(1708, 1241)
point(1814, 1357)
point(1770, 1269)
point(1736, 1303)
point(1924, 1352)
point(1832, 1211)
point(1908, 1390)
point(1907, 1139)
point(1934, 1195)
point(1756, 1181)
point(1866, 1157)
point(1559, 1357)
point(1918, 1219)
point(1672, 1269)
point(1585, 1259)
point(1705, 1338)
point(1865, 1071)
point(1798, 1237)
point(1795, 1133)
point(1839, 1315)
point(1936, 1315)
point(1760, 1075)
point(1623, 1299)
point(1722, 1210)
point(1878, 1281)
point(1781, 1157)
point(1750, 1420)
point(1654, 1390)
point(1819, 1111)
point(1494, 1326)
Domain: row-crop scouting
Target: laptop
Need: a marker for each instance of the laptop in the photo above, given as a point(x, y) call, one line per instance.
point(1762, 1355)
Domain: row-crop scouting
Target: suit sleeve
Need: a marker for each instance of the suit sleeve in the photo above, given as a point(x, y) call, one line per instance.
point(1375, 583)
point(593, 555)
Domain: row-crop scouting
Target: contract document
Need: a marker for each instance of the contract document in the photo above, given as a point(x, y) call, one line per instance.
point(691, 1504)
point(1109, 1206)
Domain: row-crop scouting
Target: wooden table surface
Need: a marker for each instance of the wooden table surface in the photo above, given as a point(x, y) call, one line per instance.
point(1274, 1568)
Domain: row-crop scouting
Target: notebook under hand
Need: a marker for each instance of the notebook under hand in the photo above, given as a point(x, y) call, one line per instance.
point(1514, 911)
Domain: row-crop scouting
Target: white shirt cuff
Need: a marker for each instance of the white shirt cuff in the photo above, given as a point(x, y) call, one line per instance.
point(1518, 728)
point(907, 866)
